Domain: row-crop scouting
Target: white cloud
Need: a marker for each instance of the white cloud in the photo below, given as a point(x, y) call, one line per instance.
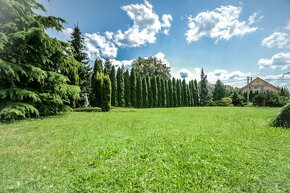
point(98, 46)
point(277, 39)
point(161, 56)
point(288, 25)
point(67, 32)
point(221, 23)
point(126, 63)
point(280, 60)
point(166, 19)
point(146, 26)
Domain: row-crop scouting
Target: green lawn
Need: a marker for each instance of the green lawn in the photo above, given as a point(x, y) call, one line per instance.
point(151, 150)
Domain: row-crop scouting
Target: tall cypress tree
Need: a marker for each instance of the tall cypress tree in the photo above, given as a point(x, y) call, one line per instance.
point(83, 70)
point(203, 88)
point(127, 89)
point(150, 96)
point(184, 97)
point(98, 89)
point(154, 88)
point(174, 94)
point(170, 93)
point(120, 87)
point(179, 92)
point(192, 91)
point(133, 83)
point(167, 93)
point(163, 91)
point(145, 93)
point(106, 93)
point(107, 66)
point(139, 93)
point(114, 86)
point(159, 87)
point(98, 68)
point(196, 94)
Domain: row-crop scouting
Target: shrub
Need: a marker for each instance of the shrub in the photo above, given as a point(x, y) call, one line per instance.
point(88, 109)
point(283, 118)
point(211, 103)
point(237, 99)
point(224, 102)
point(269, 99)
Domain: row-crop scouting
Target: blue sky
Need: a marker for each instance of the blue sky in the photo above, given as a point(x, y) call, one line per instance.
point(229, 39)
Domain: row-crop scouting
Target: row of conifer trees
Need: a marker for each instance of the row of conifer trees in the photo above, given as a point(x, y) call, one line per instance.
point(130, 89)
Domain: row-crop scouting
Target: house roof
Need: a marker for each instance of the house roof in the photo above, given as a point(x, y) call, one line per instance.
point(258, 78)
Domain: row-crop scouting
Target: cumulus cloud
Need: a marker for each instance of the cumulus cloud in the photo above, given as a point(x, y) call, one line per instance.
point(278, 61)
point(288, 25)
point(98, 46)
point(277, 39)
point(221, 23)
point(146, 25)
point(67, 32)
point(161, 56)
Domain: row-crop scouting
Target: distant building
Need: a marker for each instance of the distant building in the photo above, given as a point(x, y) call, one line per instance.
point(259, 85)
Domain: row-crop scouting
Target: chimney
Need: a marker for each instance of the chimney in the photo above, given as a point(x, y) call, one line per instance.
point(248, 80)
point(251, 79)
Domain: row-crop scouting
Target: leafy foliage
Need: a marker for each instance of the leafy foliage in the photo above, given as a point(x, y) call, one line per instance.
point(283, 118)
point(151, 67)
point(34, 66)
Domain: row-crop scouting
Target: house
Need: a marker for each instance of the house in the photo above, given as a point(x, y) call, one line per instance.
point(259, 85)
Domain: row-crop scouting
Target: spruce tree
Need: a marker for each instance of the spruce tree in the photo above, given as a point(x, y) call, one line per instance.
point(34, 67)
point(84, 68)
point(219, 90)
point(145, 93)
point(154, 88)
point(127, 89)
point(139, 93)
point(114, 86)
point(203, 88)
point(106, 93)
point(120, 87)
point(150, 96)
point(133, 83)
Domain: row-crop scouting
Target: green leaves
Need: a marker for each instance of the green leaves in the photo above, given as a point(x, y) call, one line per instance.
point(17, 111)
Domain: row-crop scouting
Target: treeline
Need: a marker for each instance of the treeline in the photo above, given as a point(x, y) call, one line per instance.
point(133, 89)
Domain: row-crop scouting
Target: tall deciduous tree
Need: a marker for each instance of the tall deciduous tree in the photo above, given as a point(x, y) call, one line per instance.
point(219, 90)
point(151, 67)
point(127, 89)
point(120, 87)
point(34, 67)
point(133, 82)
point(114, 86)
point(203, 88)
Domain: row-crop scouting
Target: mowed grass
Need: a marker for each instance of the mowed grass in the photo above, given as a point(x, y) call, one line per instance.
point(147, 150)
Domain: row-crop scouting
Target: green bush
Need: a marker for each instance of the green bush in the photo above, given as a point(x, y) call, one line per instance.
point(225, 102)
point(211, 103)
point(269, 99)
point(88, 109)
point(283, 118)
